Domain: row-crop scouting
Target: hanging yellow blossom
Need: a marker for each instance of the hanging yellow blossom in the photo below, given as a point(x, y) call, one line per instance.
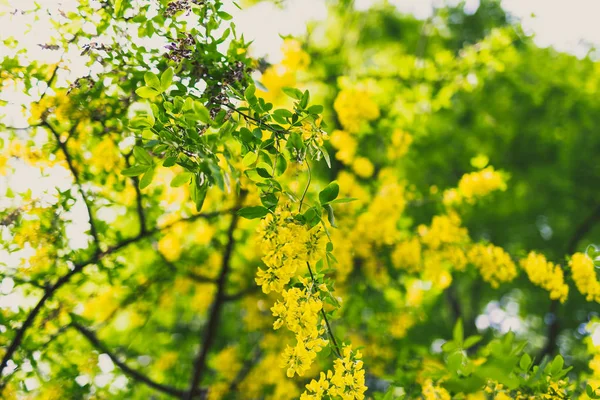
point(363, 167)
point(294, 58)
point(286, 246)
point(407, 255)
point(401, 141)
point(546, 275)
point(493, 263)
point(444, 230)
point(345, 144)
point(346, 381)
point(434, 392)
point(355, 107)
point(475, 185)
point(585, 276)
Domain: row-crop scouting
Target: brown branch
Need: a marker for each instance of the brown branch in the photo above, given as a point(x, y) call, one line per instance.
point(16, 341)
point(88, 205)
point(134, 374)
point(324, 314)
point(210, 330)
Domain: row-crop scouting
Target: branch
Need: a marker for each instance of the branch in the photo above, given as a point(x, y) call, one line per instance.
point(88, 206)
point(136, 375)
point(16, 341)
point(324, 314)
point(215, 310)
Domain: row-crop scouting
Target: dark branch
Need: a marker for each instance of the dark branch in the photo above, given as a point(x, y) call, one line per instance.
point(20, 333)
point(134, 374)
point(88, 205)
point(324, 314)
point(210, 330)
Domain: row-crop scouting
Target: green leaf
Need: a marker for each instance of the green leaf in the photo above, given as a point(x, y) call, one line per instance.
point(269, 200)
point(305, 99)
point(249, 92)
point(292, 92)
point(147, 178)
point(344, 200)
point(330, 215)
point(458, 333)
point(471, 341)
point(146, 92)
point(253, 212)
point(166, 79)
point(142, 155)
point(198, 193)
point(315, 109)
point(118, 6)
point(181, 179)
point(281, 165)
point(152, 80)
point(224, 15)
point(169, 161)
point(249, 159)
point(330, 192)
point(263, 172)
point(136, 170)
point(557, 364)
point(525, 362)
point(201, 112)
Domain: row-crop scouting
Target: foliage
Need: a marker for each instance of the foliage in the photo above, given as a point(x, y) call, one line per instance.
point(398, 209)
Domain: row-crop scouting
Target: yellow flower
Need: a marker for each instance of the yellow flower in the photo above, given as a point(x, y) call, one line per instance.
point(363, 167)
point(227, 363)
point(401, 141)
point(355, 107)
point(475, 185)
point(444, 230)
point(546, 275)
point(585, 276)
point(407, 255)
point(275, 78)
point(297, 360)
point(345, 144)
point(434, 392)
point(294, 58)
point(493, 263)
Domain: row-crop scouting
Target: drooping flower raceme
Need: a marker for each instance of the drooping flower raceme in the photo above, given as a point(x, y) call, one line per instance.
point(546, 275)
point(585, 277)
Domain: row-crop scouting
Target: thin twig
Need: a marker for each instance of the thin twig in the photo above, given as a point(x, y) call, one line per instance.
point(127, 370)
point(210, 330)
point(324, 314)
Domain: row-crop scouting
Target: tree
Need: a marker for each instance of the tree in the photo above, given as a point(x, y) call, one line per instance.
point(245, 237)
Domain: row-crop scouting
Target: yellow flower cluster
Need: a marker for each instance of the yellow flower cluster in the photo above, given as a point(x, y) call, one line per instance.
point(345, 144)
point(401, 141)
point(444, 230)
point(299, 311)
point(434, 392)
point(346, 381)
point(286, 246)
point(378, 225)
point(585, 276)
point(475, 185)
point(355, 107)
point(276, 77)
point(401, 324)
point(546, 275)
point(407, 255)
point(493, 263)
point(294, 58)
